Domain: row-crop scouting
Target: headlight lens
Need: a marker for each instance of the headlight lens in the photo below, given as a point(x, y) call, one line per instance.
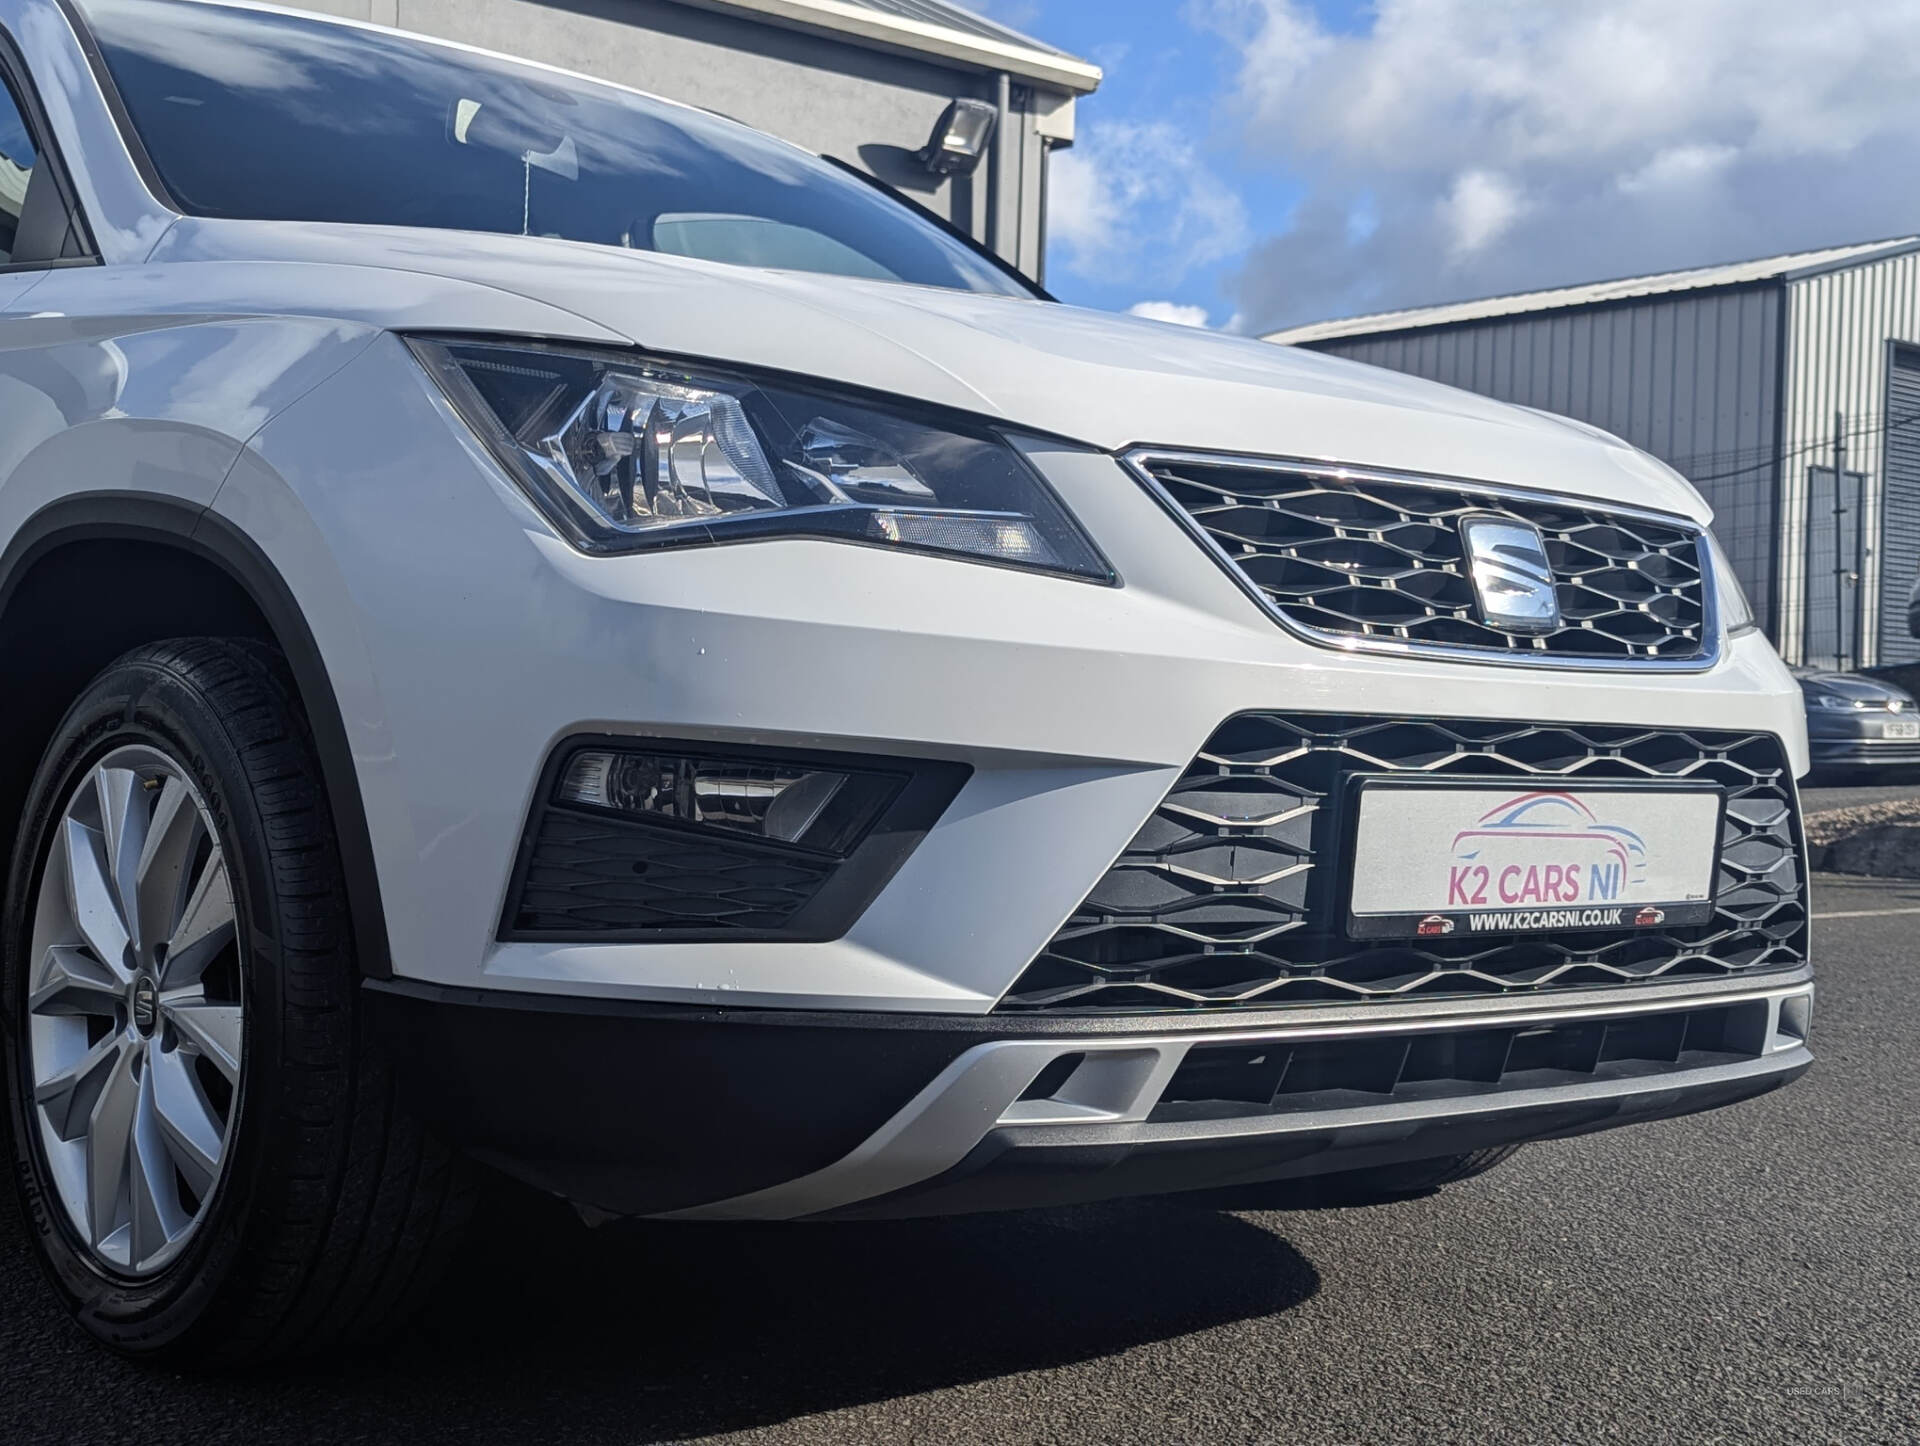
point(1736, 611)
point(1832, 701)
point(626, 455)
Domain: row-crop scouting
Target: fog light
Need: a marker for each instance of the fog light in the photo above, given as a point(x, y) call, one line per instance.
point(825, 809)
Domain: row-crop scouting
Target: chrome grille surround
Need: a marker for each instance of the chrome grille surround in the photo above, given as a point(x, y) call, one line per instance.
point(1233, 894)
point(1369, 560)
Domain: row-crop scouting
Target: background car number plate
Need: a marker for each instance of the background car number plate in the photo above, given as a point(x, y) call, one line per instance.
point(1447, 860)
point(1901, 728)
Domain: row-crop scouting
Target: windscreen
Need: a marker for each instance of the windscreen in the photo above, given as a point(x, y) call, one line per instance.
point(258, 115)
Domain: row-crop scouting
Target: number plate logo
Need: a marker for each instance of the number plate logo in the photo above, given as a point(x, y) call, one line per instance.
point(1437, 861)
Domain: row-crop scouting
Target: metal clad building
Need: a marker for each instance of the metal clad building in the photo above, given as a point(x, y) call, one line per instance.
point(861, 80)
point(1844, 326)
point(1900, 523)
point(1733, 375)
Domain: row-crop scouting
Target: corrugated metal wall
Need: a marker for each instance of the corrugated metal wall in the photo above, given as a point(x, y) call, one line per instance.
point(1838, 328)
point(1900, 508)
point(1692, 378)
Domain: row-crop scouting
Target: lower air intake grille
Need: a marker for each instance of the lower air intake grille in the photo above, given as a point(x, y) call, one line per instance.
point(589, 875)
point(1231, 895)
point(1234, 1081)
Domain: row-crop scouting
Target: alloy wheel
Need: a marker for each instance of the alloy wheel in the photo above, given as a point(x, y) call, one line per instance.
point(136, 1010)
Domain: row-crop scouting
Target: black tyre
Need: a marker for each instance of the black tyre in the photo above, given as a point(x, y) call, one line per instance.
point(208, 1150)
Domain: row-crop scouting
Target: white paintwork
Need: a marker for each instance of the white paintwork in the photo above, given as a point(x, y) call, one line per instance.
point(1109, 381)
point(253, 368)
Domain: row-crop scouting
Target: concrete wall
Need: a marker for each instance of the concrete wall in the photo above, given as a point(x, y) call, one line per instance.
point(865, 106)
point(1693, 379)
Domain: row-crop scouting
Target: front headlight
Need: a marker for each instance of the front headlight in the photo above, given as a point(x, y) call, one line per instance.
point(624, 454)
point(1736, 611)
point(1832, 701)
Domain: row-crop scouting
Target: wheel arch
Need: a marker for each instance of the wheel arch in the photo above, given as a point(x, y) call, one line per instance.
point(191, 573)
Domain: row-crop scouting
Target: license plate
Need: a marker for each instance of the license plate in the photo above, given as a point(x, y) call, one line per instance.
point(1437, 860)
point(1901, 728)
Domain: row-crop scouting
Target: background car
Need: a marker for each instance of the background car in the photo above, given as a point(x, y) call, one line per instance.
point(1855, 722)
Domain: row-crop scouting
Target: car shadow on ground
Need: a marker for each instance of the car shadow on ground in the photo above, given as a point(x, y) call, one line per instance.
point(550, 1332)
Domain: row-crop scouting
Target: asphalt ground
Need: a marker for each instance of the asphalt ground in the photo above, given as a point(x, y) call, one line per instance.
point(1853, 793)
point(1751, 1275)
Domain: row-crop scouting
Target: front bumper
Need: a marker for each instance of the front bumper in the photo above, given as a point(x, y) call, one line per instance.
point(760, 1114)
point(869, 1072)
point(1855, 751)
point(1075, 707)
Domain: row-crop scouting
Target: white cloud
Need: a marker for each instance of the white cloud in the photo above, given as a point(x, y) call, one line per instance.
point(1171, 312)
point(1496, 144)
point(1136, 202)
point(1678, 167)
point(1479, 210)
point(1279, 41)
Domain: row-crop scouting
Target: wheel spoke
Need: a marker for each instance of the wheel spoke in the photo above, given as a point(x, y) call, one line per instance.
point(212, 1030)
point(71, 981)
point(123, 821)
point(205, 928)
point(166, 853)
point(109, 1147)
point(68, 1097)
point(154, 1213)
point(90, 896)
point(187, 1124)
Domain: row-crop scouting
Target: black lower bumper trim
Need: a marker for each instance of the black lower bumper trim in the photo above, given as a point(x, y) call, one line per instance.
point(1015, 1167)
point(642, 1108)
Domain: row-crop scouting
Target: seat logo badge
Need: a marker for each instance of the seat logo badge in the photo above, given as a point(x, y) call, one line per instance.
point(146, 1004)
point(1512, 579)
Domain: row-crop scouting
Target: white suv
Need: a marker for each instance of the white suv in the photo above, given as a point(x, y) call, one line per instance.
point(542, 626)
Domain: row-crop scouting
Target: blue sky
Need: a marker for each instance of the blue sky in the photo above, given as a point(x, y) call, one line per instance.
point(1257, 163)
point(1163, 66)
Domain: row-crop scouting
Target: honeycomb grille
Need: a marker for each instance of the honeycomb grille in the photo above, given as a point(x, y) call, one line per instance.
point(1231, 894)
point(1360, 557)
point(586, 875)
